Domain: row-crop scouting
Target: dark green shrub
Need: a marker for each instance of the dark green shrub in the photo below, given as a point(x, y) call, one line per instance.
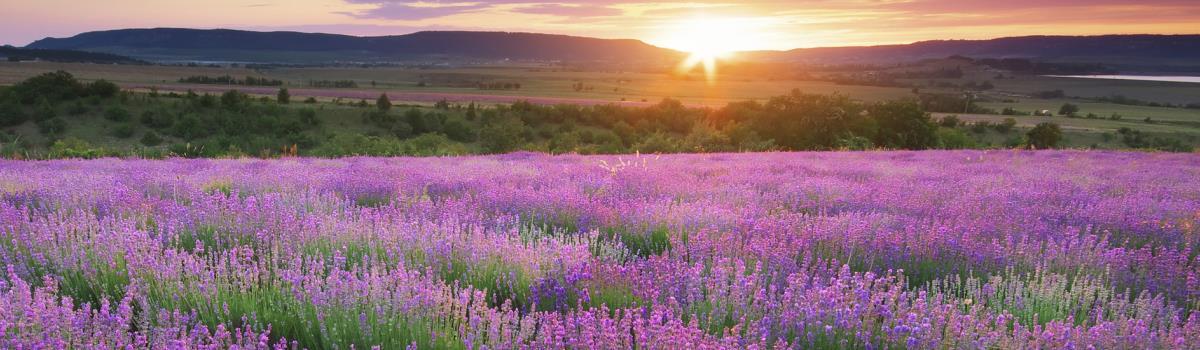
point(1045, 135)
point(123, 131)
point(151, 139)
point(117, 114)
point(11, 114)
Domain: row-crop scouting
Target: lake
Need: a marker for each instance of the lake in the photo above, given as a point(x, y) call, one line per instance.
point(1170, 78)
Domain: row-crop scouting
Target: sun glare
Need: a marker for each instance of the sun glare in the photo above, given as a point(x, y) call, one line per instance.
point(709, 40)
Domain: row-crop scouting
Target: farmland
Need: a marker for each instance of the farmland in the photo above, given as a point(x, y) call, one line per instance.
point(342, 102)
point(937, 249)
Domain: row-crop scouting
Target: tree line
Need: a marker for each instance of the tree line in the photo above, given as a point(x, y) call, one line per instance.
point(235, 124)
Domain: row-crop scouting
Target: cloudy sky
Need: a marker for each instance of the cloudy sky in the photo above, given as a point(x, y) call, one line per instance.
point(756, 24)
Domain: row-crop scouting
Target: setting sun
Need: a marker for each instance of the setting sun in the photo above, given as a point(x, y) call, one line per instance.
point(709, 40)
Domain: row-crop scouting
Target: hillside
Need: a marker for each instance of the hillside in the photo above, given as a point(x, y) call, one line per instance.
point(237, 45)
point(1129, 51)
point(14, 54)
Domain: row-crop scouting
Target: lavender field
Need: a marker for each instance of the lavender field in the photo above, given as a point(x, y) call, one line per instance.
point(875, 250)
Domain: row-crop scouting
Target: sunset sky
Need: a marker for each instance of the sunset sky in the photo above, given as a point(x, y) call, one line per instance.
point(753, 24)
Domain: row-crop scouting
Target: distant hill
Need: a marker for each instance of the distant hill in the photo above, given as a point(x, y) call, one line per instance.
point(1121, 50)
point(1129, 52)
point(19, 54)
point(238, 45)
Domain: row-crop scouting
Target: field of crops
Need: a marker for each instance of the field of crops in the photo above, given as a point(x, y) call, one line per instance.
point(875, 250)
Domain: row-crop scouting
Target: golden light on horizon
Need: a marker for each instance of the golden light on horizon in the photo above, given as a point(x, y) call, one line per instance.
point(709, 40)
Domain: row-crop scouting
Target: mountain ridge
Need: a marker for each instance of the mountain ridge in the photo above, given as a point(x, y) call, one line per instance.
point(231, 44)
point(473, 44)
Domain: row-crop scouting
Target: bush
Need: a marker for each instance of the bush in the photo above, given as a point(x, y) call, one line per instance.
point(950, 121)
point(117, 114)
point(954, 139)
point(78, 108)
point(11, 114)
point(283, 97)
point(56, 86)
point(458, 130)
point(358, 145)
point(1006, 126)
point(123, 131)
point(502, 136)
point(659, 142)
point(52, 127)
point(233, 99)
point(151, 139)
point(103, 88)
point(1044, 136)
point(433, 145)
point(1068, 109)
point(74, 148)
point(45, 111)
point(980, 127)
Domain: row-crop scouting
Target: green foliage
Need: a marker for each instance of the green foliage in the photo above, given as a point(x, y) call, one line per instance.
point(103, 89)
point(1068, 109)
point(383, 103)
point(1045, 135)
point(950, 121)
point(283, 97)
point(432, 145)
point(1137, 139)
point(151, 139)
point(1006, 126)
point(117, 114)
point(458, 130)
point(52, 127)
point(502, 136)
point(78, 108)
point(74, 148)
point(358, 145)
point(903, 124)
point(659, 142)
point(855, 143)
point(45, 111)
point(123, 131)
point(234, 100)
point(54, 86)
point(11, 114)
point(954, 139)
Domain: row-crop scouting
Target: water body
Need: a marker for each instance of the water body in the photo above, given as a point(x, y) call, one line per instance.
point(1169, 78)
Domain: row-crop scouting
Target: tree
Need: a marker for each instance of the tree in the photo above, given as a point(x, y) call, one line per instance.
point(1068, 109)
point(471, 115)
point(233, 99)
point(502, 136)
point(903, 124)
point(383, 103)
point(103, 88)
point(1044, 135)
point(458, 131)
point(283, 97)
point(56, 86)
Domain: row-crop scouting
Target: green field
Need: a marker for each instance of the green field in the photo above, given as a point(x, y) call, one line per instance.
point(1097, 124)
